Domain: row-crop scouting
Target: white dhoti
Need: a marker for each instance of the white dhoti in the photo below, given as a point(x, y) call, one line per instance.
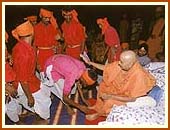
point(56, 88)
point(41, 106)
point(13, 109)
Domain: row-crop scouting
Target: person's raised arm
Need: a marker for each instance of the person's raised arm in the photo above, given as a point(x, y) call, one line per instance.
point(96, 65)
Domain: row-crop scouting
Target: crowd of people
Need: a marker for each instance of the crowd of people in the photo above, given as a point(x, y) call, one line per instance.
point(46, 60)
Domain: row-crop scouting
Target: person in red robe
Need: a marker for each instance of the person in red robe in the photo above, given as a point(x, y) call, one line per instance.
point(73, 33)
point(111, 39)
point(45, 38)
point(30, 92)
point(9, 72)
point(10, 91)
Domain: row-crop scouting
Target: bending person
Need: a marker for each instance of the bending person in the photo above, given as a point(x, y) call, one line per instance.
point(61, 72)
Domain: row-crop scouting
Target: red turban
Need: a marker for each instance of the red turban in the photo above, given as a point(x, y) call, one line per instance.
point(105, 24)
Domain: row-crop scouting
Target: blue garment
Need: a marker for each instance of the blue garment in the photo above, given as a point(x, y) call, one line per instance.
point(144, 60)
point(156, 93)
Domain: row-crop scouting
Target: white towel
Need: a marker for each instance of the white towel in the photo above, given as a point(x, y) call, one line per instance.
point(142, 101)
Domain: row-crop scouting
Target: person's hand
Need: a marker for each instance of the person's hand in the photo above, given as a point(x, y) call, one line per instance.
point(84, 109)
point(102, 58)
point(55, 50)
point(57, 37)
point(86, 102)
point(11, 91)
point(10, 60)
point(105, 96)
point(31, 101)
point(7, 97)
point(91, 107)
point(38, 68)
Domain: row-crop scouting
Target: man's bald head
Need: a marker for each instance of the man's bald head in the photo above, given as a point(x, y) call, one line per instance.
point(127, 59)
point(129, 55)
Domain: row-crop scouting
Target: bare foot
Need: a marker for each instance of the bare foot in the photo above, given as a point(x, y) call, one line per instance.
point(70, 110)
point(26, 114)
point(92, 116)
point(91, 107)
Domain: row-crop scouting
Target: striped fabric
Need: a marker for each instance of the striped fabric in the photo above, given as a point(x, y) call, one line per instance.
point(59, 115)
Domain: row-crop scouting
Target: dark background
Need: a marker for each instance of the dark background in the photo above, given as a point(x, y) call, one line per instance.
point(88, 14)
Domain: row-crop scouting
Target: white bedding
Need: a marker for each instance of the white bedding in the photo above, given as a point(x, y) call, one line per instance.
point(142, 115)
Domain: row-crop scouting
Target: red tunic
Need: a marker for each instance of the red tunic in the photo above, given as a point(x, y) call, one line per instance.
point(9, 73)
point(44, 36)
point(112, 40)
point(24, 65)
point(74, 36)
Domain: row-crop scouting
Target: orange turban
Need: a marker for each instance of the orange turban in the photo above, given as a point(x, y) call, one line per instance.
point(105, 24)
point(24, 29)
point(6, 36)
point(49, 14)
point(31, 18)
point(125, 46)
point(89, 81)
point(73, 13)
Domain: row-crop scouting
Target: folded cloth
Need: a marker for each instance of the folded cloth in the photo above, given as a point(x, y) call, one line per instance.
point(156, 93)
point(142, 101)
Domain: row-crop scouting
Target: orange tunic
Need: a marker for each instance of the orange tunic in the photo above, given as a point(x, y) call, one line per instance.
point(44, 37)
point(134, 83)
point(74, 37)
point(155, 44)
